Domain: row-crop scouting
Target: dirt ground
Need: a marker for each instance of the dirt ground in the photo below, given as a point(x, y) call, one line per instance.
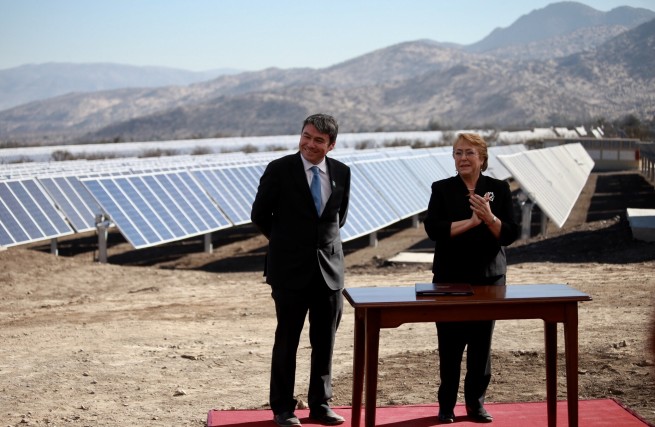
point(158, 337)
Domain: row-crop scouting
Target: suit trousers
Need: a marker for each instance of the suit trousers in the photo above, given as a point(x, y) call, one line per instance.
point(453, 337)
point(325, 308)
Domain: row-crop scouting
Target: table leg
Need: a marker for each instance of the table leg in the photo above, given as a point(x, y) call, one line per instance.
point(372, 352)
point(571, 351)
point(358, 368)
point(550, 336)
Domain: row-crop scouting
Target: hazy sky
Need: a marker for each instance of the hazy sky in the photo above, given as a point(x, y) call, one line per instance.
point(244, 34)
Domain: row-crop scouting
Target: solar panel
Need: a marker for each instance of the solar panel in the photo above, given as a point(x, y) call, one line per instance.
point(402, 190)
point(27, 214)
point(74, 200)
point(158, 208)
point(495, 168)
point(445, 160)
point(426, 168)
point(232, 188)
point(580, 156)
point(367, 211)
point(552, 177)
point(352, 156)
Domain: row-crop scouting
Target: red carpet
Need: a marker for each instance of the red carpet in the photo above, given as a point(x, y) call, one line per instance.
point(593, 413)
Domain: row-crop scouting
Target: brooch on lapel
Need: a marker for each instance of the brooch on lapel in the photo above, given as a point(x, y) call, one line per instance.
point(489, 196)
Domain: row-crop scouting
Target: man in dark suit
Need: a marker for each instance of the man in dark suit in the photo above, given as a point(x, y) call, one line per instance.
point(304, 264)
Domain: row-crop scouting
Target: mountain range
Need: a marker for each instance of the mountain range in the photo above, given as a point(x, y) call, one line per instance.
point(561, 65)
point(34, 82)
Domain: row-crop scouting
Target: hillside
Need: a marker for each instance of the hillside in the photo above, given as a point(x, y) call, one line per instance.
point(34, 82)
point(516, 77)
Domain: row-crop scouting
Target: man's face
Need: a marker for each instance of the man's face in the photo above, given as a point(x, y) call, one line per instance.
point(314, 145)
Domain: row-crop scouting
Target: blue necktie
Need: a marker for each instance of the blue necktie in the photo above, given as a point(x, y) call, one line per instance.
point(316, 189)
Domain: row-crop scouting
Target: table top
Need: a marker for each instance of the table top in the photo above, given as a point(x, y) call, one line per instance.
point(371, 297)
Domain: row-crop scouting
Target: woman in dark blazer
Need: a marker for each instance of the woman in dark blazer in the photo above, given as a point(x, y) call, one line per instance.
point(304, 263)
point(470, 217)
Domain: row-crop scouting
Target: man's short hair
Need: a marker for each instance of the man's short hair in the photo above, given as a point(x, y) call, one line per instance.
point(324, 123)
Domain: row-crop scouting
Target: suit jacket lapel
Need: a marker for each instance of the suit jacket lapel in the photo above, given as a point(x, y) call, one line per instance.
point(333, 174)
point(483, 184)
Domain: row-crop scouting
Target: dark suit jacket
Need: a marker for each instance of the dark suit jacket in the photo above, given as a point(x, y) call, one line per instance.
point(299, 241)
point(476, 254)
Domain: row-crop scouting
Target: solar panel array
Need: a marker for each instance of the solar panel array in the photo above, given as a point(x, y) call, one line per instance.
point(214, 145)
point(157, 208)
point(158, 200)
point(27, 214)
point(552, 177)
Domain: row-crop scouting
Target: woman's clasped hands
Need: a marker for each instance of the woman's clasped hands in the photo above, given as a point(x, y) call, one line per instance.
point(480, 207)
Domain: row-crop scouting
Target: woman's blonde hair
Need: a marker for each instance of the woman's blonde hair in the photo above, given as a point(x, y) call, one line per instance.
point(479, 143)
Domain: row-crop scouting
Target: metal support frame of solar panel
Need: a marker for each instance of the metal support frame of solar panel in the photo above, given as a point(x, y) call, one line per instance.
point(233, 188)
point(647, 157)
point(152, 209)
point(551, 177)
point(27, 214)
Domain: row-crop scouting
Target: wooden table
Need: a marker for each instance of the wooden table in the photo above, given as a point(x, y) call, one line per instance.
point(390, 307)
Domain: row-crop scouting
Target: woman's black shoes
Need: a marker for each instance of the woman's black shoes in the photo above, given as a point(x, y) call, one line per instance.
point(479, 415)
point(446, 417)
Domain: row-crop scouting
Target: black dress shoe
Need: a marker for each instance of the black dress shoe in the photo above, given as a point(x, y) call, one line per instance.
point(479, 415)
point(286, 419)
point(328, 418)
point(446, 417)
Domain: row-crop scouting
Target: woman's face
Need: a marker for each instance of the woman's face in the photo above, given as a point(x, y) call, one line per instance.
point(467, 159)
